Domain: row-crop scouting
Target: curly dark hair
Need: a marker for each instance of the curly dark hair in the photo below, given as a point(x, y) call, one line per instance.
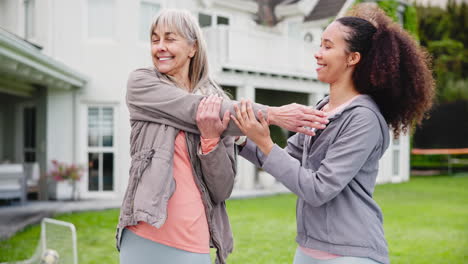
point(394, 70)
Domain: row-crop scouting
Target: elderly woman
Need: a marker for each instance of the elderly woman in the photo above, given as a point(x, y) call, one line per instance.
point(173, 209)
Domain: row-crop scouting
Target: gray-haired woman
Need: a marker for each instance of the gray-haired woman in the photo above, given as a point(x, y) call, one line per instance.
point(181, 174)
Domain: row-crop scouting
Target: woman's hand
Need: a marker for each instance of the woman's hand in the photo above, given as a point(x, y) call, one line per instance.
point(208, 121)
point(297, 118)
point(256, 130)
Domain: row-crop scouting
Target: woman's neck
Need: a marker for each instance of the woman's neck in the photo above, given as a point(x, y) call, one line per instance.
point(182, 82)
point(340, 93)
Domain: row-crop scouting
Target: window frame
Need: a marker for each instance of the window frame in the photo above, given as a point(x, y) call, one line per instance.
point(100, 149)
point(214, 18)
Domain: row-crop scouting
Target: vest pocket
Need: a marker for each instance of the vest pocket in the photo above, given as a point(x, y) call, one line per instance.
point(140, 162)
point(155, 185)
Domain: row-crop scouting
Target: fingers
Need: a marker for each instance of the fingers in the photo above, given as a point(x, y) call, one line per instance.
point(262, 118)
point(305, 131)
point(312, 111)
point(217, 104)
point(312, 125)
point(314, 121)
point(238, 117)
point(201, 108)
point(314, 115)
point(245, 116)
point(250, 113)
point(244, 110)
point(238, 124)
point(226, 119)
point(210, 103)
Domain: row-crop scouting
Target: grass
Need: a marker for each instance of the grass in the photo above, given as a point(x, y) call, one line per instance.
point(426, 221)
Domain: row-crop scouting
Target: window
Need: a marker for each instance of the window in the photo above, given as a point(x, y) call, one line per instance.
point(29, 18)
point(220, 20)
point(101, 19)
point(29, 134)
point(147, 14)
point(101, 148)
point(206, 20)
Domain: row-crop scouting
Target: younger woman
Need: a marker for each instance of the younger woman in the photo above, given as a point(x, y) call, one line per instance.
point(379, 78)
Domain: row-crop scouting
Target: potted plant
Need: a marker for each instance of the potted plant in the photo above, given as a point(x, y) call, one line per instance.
point(65, 176)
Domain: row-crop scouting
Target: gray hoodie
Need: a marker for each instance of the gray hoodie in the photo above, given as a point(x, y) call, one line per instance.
point(333, 174)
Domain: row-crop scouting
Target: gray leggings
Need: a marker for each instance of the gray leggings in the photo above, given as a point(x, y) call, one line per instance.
point(135, 249)
point(301, 258)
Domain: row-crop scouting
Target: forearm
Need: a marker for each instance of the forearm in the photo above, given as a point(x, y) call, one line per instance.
point(251, 153)
point(219, 169)
point(150, 99)
point(305, 183)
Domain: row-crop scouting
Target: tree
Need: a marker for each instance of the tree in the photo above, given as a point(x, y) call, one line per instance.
point(443, 32)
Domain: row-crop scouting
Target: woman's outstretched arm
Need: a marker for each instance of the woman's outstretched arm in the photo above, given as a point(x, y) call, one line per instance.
point(343, 160)
point(150, 99)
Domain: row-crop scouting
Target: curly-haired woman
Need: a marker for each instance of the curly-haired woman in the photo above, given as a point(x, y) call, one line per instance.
point(379, 80)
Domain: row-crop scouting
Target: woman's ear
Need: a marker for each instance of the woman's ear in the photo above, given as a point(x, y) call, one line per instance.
point(193, 50)
point(354, 58)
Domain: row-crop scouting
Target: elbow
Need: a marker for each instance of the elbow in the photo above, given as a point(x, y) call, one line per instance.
point(317, 199)
point(315, 202)
point(220, 197)
point(223, 192)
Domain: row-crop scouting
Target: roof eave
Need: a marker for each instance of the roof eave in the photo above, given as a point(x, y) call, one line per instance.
point(14, 49)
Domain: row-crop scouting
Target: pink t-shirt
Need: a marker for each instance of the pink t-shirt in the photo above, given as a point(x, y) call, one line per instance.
point(318, 254)
point(340, 107)
point(186, 226)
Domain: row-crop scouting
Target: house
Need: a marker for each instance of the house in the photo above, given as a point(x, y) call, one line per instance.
point(64, 67)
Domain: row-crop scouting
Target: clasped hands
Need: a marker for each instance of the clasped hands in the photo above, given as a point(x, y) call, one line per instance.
point(293, 117)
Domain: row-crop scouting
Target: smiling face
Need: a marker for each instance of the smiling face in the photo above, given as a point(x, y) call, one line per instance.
point(171, 53)
point(332, 57)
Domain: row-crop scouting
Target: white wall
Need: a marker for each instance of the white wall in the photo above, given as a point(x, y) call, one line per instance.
point(386, 170)
point(10, 19)
point(60, 126)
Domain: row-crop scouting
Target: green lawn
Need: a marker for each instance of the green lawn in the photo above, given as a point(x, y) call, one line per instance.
point(426, 221)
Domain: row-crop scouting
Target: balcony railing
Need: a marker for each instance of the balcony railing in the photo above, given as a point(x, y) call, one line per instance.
point(259, 52)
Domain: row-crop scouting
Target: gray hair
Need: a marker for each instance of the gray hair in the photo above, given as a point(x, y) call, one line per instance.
point(185, 24)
